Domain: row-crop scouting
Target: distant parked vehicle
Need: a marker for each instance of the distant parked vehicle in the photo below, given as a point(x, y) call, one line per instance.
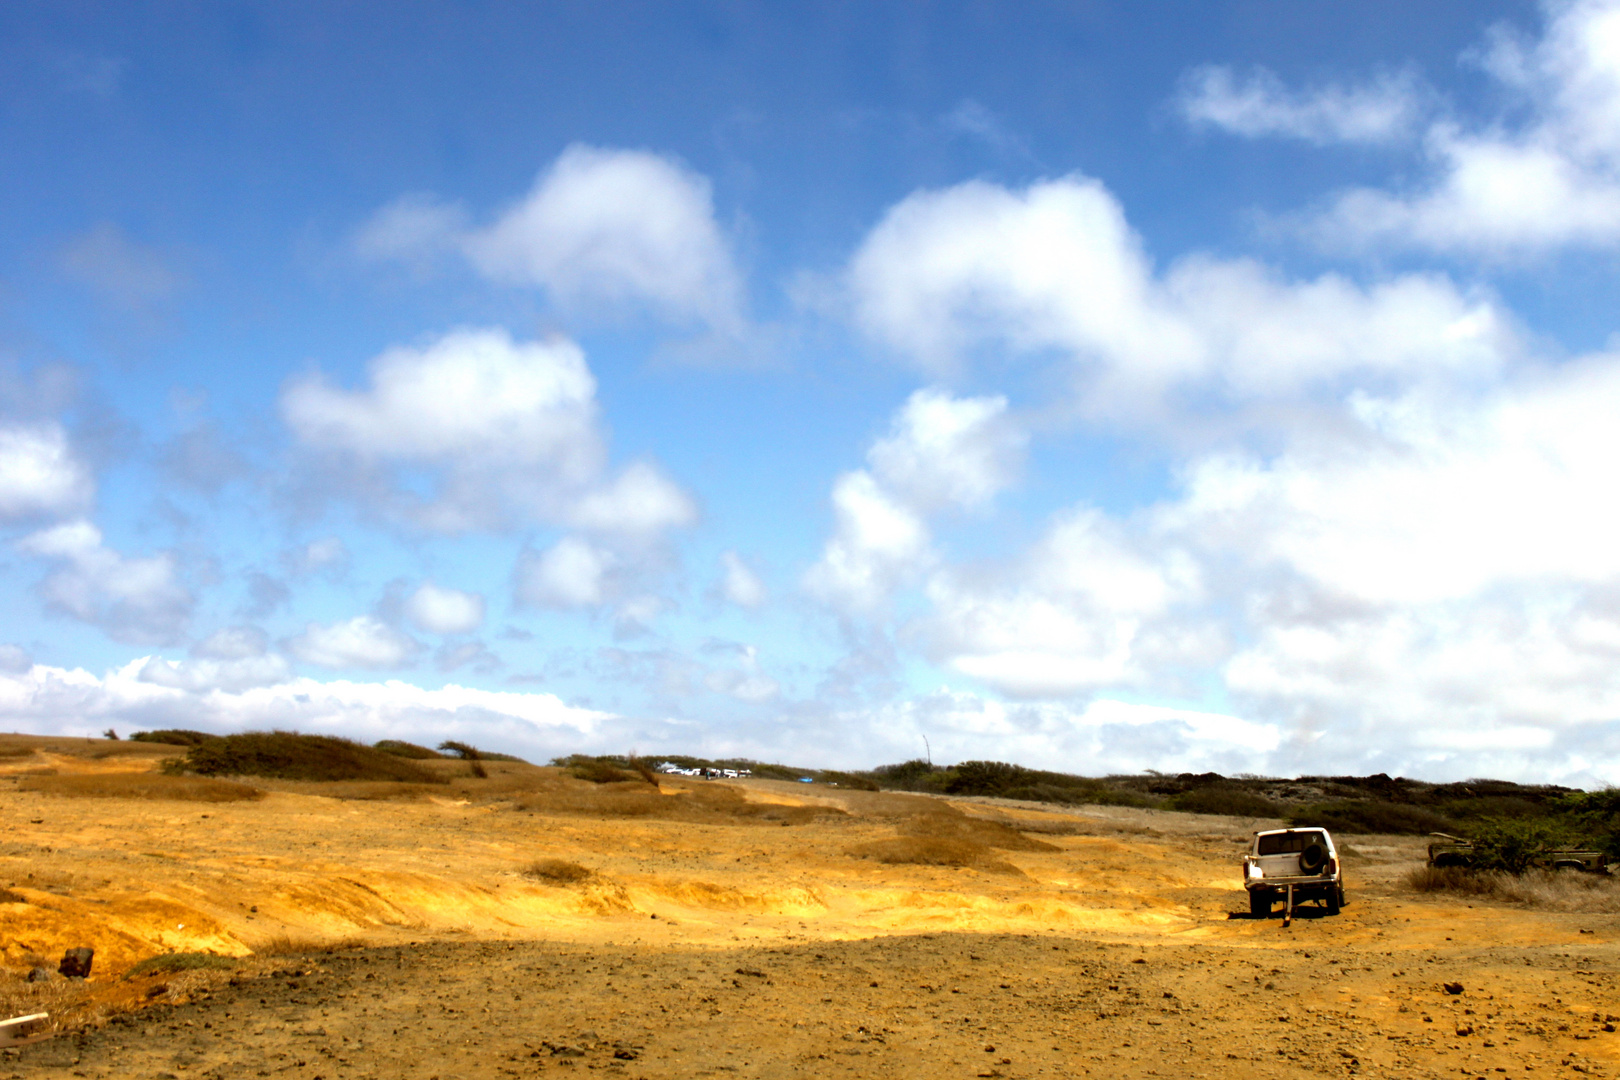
point(1447, 850)
point(1291, 865)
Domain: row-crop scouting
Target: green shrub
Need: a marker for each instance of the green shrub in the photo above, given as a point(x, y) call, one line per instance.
point(173, 737)
point(1513, 845)
point(288, 755)
point(1227, 800)
point(1363, 816)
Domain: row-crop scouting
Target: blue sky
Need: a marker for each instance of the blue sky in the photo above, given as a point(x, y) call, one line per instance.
point(1197, 386)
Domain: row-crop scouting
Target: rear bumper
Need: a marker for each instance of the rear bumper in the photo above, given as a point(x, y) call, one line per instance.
point(1302, 885)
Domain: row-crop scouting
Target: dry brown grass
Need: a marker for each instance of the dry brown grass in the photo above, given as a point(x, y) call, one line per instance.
point(558, 871)
point(709, 803)
point(949, 824)
point(934, 851)
point(124, 785)
point(1551, 890)
point(288, 945)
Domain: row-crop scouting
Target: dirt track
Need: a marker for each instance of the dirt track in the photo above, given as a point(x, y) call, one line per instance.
point(753, 948)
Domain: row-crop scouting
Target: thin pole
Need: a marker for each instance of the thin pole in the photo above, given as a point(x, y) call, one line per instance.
point(930, 751)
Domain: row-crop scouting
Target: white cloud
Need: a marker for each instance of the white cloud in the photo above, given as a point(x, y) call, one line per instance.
point(504, 433)
point(1085, 609)
point(472, 400)
point(639, 502)
point(119, 270)
point(1385, 110)
point(200, 676)
point(413, 228)
point(233, 643)
point(1056, 268)
point(327, 552)
point(136, 600)
point(440, 610)
point(877, 544)
point(14, 660)
point(40, 476)
point(946, 451)
point(571, 573)
point(74, 701)
point(601, 228)
point(745, 681)
point(1500, 187)
point(360, 642)
point(739, 584)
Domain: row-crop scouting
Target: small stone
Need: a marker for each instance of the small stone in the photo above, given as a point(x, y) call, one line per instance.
point(1454, 988)
point(42, 974)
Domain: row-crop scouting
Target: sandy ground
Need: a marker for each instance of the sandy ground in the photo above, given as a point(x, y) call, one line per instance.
point(403, 939)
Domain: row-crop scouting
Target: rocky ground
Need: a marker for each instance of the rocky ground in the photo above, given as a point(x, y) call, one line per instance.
point(404, 939)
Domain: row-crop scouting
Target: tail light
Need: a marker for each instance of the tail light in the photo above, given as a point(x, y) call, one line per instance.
point(1332, 867)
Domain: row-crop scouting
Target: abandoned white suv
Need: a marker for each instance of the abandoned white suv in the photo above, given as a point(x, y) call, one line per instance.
point(1292, 865)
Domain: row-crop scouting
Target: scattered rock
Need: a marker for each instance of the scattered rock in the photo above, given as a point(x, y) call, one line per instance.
point(76, 962)
point(1454, 988)
point(42, 974)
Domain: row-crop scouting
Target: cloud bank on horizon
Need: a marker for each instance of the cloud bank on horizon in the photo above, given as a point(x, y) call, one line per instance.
point(1022, 458)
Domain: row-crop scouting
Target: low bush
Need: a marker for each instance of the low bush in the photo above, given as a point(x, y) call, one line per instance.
point(291, 756)
point(598, 771)
point(145, 785)
point(558, 871)
point(1225, 800)
point(173, 737)
point(469, 754)
point(405, 750)
point(169, 963)
point(1362, 816)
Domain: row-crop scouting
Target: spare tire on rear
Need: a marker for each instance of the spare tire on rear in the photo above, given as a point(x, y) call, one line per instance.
point(1313, 858)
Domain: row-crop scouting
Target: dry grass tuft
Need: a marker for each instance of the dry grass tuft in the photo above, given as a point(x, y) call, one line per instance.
point(125, 785)
point(169, 963)
point(1551, 890)
point(707, 803)
point(287, 945)
point(934, 851)
point(949, 824)
point(558, 871)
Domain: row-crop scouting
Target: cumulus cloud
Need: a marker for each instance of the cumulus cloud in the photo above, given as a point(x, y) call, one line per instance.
point(877, 545)
point(40, 475)
point(360, 642)
point(1086, 609)
point(601, 228)
point(505, 433)
point(639, 502)
point(739, 584)
point(202, 675)
point(945, 451)
point(1056, 268)
point(74, 701)
point(1384, 110)
point(941, 452)
point(439, 610)
point(1547, 175)
point(137, 600)
point(572, 573)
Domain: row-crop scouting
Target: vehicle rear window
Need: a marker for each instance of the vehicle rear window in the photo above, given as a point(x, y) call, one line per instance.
point(1288, 843)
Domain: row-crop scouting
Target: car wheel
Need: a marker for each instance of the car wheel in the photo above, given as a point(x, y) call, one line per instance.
point(1313, 858)
point(1333, 900)
point(1259, 903)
